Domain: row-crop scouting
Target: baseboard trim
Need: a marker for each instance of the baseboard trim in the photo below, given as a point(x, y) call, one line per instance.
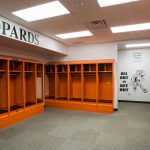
point(133, 101)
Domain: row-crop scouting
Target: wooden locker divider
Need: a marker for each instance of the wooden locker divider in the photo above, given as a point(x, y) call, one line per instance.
point(18, 89)
point(86, 86)
point(97, 83)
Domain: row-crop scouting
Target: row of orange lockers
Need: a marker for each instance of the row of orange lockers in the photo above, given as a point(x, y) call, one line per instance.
point(82, 82)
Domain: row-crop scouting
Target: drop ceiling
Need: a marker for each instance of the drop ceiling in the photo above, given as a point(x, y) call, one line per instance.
point(81, 13)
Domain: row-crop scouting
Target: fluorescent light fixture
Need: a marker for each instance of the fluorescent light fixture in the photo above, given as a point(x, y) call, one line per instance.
point(105, 3)
point(129, 28)
point(74, 34)
point(43, 11)
point(137, 45)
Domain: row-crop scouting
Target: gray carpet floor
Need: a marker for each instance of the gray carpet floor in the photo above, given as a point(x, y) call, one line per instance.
point(127, 129)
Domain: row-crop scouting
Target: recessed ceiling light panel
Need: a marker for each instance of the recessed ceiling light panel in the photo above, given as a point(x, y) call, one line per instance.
point(74, 34)
point(130, 28)
point(138, 45)
point(43, 11)
point(105, 3)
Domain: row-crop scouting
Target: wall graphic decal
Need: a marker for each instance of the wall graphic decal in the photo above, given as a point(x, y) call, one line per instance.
point(137, 57)
point(137, 80)
point(124, 82)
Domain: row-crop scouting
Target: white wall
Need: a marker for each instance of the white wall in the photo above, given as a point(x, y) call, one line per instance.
point(91, 52)
point(129, 62)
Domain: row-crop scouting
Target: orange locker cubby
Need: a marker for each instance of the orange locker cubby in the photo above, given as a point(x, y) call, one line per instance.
point(105, 83)
point(50, 74)
point(75, 87)
point(89, 83)
point(16, 84)
point(62, 82)
point(85, 86)
point(30, 84)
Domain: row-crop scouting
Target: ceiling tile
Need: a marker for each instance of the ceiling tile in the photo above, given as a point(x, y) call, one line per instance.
point(80, 5)
point(7, 6)
point(103, 34)
point(37, 2)
point(123, 36)
point(66, 20)
point(46, 24)
point(141, 12)
point(69, 23)
point(117, 15)
point(142, 34)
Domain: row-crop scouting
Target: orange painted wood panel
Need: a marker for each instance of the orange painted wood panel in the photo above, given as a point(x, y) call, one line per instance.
point(75, 86)
point(89, 107)
point(89, 86)
point(62, 85)
point(92, 107)
point(105, 86)
point(105, 108)
point(75, 105)
point(52, 85)
point(30, 84)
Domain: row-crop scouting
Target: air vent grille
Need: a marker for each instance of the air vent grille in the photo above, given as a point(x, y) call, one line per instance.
point(97, 24)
